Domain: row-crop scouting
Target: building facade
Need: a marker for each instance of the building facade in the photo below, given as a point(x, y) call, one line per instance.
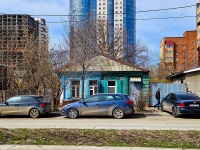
point(115, 77)
point(119, 16)
point(198, 30)
point(179, 53)
point(15, 32)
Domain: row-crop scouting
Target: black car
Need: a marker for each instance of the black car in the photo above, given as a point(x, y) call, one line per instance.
point(32, 105)
point(181, 104)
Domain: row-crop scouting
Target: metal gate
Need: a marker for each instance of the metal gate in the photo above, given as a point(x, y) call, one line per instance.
point(165, 88)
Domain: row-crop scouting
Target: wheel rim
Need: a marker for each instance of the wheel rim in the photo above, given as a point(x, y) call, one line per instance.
point(174, 112)
point(34, 113)
point(72, 113)
point(118, 113)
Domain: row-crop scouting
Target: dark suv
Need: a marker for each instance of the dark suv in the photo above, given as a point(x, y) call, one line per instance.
point(110, 104)
point(31, 105)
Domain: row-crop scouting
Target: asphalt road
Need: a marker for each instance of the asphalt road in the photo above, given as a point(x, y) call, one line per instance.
point(151, 120)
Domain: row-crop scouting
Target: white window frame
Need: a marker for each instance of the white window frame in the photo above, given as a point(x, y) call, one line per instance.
point(77, 90)
point(112, 86)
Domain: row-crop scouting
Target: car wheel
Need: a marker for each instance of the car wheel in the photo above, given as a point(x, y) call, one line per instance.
point(73, 113)
point(34, 113)
point(174, 112)
point(118, 113)
point(162, 109)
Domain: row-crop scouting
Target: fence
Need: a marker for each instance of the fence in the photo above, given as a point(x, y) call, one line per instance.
point(165, 88)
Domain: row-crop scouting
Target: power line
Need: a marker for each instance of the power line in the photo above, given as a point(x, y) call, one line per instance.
point(142, 11)
point(164, 18)
point(169, 25)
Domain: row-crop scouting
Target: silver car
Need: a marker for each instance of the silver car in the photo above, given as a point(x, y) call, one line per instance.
point(103, 104)
point(32, 105)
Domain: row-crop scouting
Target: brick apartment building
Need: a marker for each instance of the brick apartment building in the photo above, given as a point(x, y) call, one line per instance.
point(198, 30)
point(179, 53)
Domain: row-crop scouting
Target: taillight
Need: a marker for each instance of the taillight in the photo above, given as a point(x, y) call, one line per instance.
point(181, 104)
point(43, 104)
point(130, 102)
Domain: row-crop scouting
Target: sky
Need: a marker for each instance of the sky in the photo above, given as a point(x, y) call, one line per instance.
point(149, 32)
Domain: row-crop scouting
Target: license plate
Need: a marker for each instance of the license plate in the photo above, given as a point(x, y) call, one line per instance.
point(194, 105)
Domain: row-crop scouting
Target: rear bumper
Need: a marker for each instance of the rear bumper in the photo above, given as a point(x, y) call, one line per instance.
point(184, 111)
point(45, 110)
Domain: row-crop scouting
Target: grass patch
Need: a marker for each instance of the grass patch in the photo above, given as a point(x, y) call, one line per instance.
point(130, 138)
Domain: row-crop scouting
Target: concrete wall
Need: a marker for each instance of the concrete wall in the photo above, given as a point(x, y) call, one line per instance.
point(193, 82)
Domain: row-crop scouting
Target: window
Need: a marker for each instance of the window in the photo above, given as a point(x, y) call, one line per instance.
point(93, 87)
point(184, 59)
point(117, 97)
point(107, 98)
point(75, 89)
point(111, 87)
point(183, 46)
point(176, 59)
point(193, 43)
point(92, 99)
point(183, 65)
point(183, 53)
point(176, 53)
point(13, 100)
point(26, 99)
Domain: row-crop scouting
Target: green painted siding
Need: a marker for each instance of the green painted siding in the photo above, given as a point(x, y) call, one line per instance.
point(119, 86)
point(104, 85)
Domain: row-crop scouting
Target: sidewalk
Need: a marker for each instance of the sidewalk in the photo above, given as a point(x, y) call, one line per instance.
point(56, 147)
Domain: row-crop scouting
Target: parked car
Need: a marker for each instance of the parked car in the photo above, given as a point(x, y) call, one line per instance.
point(31, 105)
point(104, 104)
point(181, 104)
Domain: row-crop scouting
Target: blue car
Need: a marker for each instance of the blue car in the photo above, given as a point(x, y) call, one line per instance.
point(181, 104)
point(104, 104)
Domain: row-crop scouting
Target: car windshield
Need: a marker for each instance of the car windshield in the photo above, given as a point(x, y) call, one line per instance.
point(187, 97)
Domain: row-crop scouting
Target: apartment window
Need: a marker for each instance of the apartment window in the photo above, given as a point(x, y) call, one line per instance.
point(111, 87)
point(183, 53)
point(184, 59)
point(75, 89)
point(183, 46)
point(168, 52)
point(193, 49)
point(176, 46)
point(193, 43)
point(193, 61)
point(176, 53)
point(183, 65)
point(176, 59)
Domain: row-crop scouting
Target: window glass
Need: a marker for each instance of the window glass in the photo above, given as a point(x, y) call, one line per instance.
point(187, 97)
point(111, 87)
point(75, 89)
point(107, 98)
point(117, 97)
point(13, 100)
point(92, 99)
point(26, 99)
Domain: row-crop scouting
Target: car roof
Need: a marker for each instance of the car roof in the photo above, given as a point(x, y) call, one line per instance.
point(29, 95)
point(110, 94)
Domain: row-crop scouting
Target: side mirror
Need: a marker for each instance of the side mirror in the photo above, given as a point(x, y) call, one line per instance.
point(83, 102)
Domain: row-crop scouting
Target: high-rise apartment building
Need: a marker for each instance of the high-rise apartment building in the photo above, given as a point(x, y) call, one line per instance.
point(119, 16)
point(15, 31)
point(179, 53)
